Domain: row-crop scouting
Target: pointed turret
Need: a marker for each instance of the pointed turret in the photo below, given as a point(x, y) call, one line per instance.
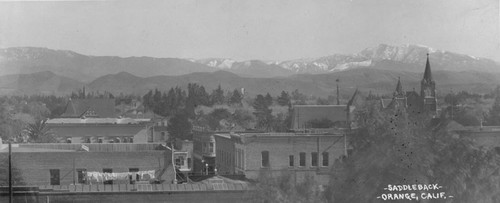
point(427, 73)
point(399, 88)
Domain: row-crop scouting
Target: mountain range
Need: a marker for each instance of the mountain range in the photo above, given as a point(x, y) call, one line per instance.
point(40, 70)
point(23, 60)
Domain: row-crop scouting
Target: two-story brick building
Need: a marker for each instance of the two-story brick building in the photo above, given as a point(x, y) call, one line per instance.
point(301, 154)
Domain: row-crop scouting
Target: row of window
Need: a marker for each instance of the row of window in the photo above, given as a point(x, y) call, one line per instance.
point(100, 140)
point(302, 159)
point(82, 178)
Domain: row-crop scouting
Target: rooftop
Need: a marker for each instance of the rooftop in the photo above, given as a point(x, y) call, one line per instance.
point(91, 147)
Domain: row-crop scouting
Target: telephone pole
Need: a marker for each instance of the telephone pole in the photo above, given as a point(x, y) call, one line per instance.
point(11, 193)
point(338, 96)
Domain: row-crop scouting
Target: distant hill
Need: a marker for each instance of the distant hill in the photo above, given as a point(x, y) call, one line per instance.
point(410, 58)
point(378, 81)
point(21, 60)
point(375, 80)
point(38, 83)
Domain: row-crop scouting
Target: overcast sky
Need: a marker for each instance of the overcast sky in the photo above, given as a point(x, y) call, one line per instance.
point(251, 29)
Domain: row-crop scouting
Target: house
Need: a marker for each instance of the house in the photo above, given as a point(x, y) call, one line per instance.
point(93, 108)
point(101, 130)
point(301, 154)
point(340, 116)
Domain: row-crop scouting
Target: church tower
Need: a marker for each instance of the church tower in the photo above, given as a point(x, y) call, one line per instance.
point(428, 90)
point(400, 95)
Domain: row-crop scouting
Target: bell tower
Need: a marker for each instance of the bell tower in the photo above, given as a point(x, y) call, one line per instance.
point(428, 90)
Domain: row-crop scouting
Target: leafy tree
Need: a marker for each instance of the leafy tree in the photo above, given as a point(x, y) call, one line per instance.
point(243, 118)
point(269, 99)
point(298, 97)
point(180, 127)
point(9, 128)
point(262, 112)
point(396, 148)
point(236, 97)
point(321, 101)
point(494, 114)
point(216, 116)
point(284, 99)
point(39, 132)
point(217, 96)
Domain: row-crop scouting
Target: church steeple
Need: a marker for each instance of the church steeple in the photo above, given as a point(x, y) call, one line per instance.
point(428, 89)
point(427, 73)
point(399, 88)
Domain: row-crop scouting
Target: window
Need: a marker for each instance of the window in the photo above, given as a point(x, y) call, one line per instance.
point(314, 159)
point(54, 177)
point(189, 163)
point(163, 136)
point(325, 158)
point(291, 160)
point(211, 148)
point(99, 140)
point(81, 175)
point(265, 158)
point(135, 177)
point(108, 170)
point(87, 140)
point(302, 159)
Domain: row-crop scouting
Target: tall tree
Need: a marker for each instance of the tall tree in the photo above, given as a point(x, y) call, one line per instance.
point(262, 113)
point(269, 99)
point(217, 96)
point(236, 97)
point(179, 127)
point(284, 98)
point(494, 114)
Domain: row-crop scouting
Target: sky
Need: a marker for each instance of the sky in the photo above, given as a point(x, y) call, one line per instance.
point(256, 29)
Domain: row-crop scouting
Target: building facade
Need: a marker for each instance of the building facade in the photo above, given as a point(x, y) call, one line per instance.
point(67, 164)
point(299, 154)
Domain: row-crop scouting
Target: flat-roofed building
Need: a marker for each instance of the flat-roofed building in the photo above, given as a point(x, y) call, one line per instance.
point(66, 164)
point(300, 154)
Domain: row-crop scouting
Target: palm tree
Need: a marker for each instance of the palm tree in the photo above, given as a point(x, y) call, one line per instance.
point(39, 132)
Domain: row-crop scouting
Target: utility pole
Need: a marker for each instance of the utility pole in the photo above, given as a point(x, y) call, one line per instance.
point(11, 193)
point(338, 97)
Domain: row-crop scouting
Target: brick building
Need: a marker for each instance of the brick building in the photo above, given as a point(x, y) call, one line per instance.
point(301, 154)
point(203, 151)
point(65, 164)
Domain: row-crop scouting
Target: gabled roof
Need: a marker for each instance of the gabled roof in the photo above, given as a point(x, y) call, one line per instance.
point(399, 88)
point(385, 102)
point(101, 108)
point(302, 114)
point(355, 99)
